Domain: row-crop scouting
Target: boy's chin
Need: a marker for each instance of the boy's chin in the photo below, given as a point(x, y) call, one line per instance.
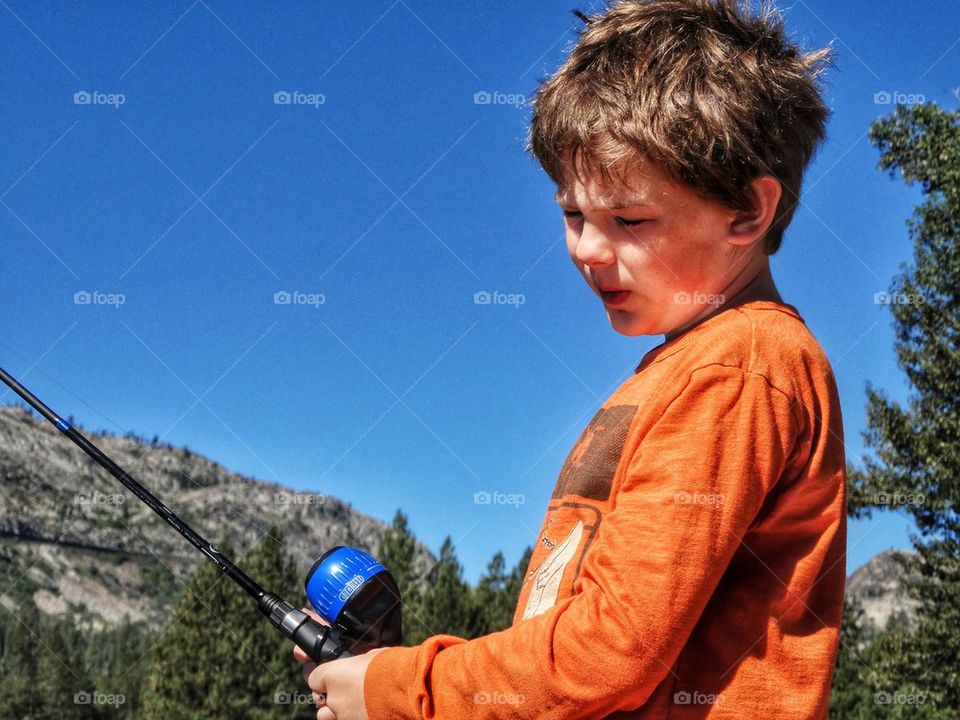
point(631, 324)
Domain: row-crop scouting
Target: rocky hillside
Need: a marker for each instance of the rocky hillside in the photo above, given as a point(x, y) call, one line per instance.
point(72, 537)
point(878, 589)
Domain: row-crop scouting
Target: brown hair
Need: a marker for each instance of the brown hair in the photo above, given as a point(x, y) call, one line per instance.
point(713, 95)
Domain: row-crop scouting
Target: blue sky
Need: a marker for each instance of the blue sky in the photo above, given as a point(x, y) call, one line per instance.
point(176, 181)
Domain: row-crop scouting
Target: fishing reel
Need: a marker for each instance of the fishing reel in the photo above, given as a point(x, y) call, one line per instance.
point(354, 594)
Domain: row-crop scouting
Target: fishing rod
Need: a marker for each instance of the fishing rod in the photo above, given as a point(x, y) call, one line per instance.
point(348, 588)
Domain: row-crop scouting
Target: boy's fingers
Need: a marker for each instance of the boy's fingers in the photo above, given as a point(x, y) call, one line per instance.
point(325, 713)
point(312, 613)
point(298, 654)
point(308, 668)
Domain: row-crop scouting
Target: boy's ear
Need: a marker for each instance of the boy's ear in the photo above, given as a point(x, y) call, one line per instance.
point(748, 226)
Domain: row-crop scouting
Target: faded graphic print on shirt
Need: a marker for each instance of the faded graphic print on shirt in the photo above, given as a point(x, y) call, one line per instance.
point(579, 499)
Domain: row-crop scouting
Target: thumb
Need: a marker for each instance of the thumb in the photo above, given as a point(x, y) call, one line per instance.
point(299, 654)
point(317, 679)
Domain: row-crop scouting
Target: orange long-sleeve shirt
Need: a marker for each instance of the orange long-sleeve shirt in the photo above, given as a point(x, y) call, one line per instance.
point(691, 561)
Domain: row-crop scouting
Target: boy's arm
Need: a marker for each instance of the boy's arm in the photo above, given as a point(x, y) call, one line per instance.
point(650, 572)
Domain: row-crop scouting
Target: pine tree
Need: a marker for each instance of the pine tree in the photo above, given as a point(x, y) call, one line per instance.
point(396, 553)
point(219, 658)
point(850, 697)
point(916, 463)
point(18, 666)
point(446, 603)
point(64, 688)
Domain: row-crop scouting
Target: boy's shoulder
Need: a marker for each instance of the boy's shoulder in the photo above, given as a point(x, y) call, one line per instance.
point(762, 337)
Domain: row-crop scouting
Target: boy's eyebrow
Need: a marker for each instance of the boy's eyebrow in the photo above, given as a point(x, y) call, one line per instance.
point(612, 203)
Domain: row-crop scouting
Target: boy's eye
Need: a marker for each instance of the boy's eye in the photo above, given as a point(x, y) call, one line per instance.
point(626, 222)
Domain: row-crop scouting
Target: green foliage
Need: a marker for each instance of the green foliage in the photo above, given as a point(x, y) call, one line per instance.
point(915, 466)
point(442, 602)
point(218, 658)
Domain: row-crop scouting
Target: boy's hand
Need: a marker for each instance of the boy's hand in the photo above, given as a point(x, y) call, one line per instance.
point(337, 685)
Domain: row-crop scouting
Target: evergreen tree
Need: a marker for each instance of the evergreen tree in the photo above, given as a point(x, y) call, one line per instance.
point(18, 666)
point(850, 697)
point(916, 462)
point(396, 554)
point(63, 687)
point(219, 658)
point(446, 603)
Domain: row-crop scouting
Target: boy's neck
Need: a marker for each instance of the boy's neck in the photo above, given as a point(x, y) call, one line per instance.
point(761, 287)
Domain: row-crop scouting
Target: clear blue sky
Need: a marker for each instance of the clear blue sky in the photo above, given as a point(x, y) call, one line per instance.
point(397, 198)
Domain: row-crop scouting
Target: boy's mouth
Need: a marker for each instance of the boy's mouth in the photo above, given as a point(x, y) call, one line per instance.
point(614, 297)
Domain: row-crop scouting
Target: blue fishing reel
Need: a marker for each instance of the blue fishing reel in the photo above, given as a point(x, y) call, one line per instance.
point(358, 597)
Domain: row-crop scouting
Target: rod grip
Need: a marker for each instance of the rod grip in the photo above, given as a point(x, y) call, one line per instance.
point(321, 643)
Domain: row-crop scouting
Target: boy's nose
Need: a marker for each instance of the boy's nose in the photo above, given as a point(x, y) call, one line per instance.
point(593, 248)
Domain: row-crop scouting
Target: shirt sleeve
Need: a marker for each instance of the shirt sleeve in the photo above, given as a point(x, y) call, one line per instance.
point(690, 489)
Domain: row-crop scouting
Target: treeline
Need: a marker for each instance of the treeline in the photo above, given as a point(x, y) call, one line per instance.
point(217, 657)
point(913, 466)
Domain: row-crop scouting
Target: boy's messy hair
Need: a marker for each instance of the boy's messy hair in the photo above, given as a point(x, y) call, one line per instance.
point(713, 95)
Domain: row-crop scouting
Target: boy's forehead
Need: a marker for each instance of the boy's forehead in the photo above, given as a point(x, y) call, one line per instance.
point(645, 188)
point(611, 199)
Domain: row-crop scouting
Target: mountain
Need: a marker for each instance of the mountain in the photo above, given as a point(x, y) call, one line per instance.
point(878, 588)
point(72, 537)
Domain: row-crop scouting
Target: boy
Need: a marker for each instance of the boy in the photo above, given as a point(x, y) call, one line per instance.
point(691, 561)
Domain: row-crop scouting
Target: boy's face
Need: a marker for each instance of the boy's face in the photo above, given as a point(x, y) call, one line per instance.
point(669, 253)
